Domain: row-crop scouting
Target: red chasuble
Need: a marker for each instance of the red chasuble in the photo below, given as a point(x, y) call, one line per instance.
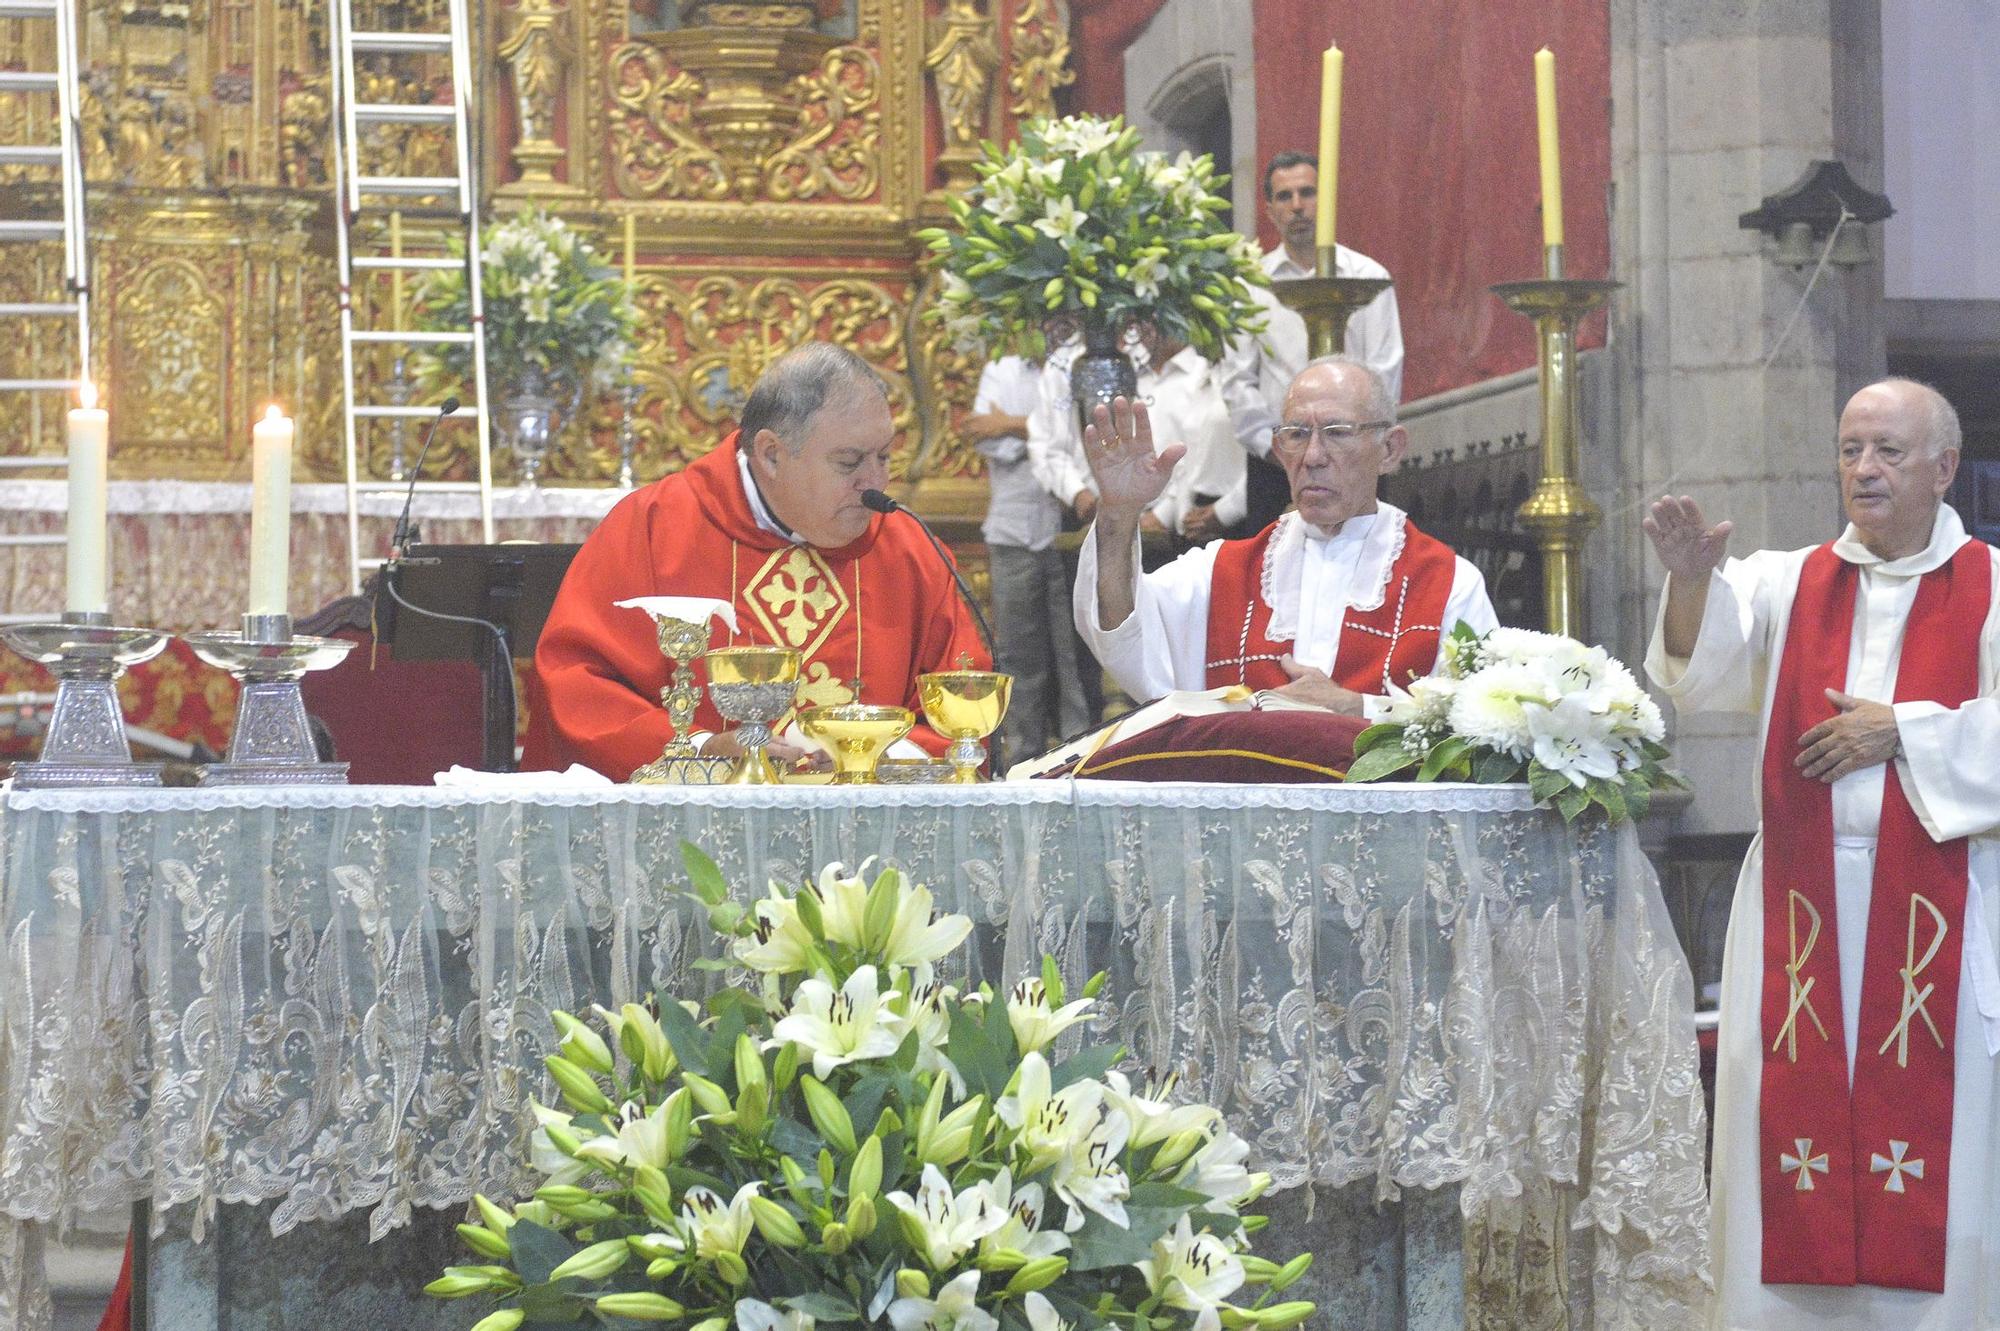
point(1397, 641)
point(1854, 1176)
point(883, 606)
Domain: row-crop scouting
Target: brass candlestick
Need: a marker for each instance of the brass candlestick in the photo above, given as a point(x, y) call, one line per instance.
point(1327, 302)
point(1559, 513)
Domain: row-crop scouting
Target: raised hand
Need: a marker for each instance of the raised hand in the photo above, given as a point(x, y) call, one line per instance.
point(1118, 444)
point(1681, 536)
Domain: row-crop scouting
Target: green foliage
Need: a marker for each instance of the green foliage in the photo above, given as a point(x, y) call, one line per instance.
point(845, 1131)
point(549, 303)
point(1072, 222)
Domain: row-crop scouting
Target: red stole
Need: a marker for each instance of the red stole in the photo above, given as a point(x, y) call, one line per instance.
point(1854, 1180)
point(1397, 641)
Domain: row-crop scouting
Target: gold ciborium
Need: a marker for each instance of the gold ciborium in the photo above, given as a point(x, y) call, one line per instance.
point(754, 687)
point(965, 706)
point(857, 734)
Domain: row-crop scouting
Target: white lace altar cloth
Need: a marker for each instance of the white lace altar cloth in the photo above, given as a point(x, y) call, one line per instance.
point(337, 998)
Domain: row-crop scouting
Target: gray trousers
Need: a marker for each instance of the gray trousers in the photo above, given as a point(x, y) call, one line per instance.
point(1036, 643)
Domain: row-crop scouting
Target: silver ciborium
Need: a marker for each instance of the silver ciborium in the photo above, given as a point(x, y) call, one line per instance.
point(86, 744)
point(754, 687)
point(273, 743)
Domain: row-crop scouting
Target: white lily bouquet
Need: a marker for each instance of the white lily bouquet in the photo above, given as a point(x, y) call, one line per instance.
point(852, 1142)
point(1074, 222)
point(1513, 705)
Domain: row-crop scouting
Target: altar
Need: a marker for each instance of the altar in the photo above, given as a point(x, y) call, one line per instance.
point(1457, 1032)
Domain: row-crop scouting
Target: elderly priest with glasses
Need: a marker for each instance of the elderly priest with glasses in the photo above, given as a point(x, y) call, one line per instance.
point(1331, 605)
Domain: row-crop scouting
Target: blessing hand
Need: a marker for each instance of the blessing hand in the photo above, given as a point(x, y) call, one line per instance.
point(1860, 735)
point(1681, 536)
point(1118, 444)
point(1315, 687)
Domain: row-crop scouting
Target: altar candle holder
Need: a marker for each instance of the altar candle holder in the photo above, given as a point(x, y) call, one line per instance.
point(1559, 513)
point(628, 405)
point(86, 744)
point(273, 743)
point(1327, 303)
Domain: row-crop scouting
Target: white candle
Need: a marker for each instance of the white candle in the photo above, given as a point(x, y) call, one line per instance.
point(270, 513)
point(89, 461)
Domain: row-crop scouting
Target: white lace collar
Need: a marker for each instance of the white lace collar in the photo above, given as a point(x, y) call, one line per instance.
point(1380, 535)
point(1947, 535)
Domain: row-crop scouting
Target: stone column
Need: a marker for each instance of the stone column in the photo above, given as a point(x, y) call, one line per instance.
point(1715, 105)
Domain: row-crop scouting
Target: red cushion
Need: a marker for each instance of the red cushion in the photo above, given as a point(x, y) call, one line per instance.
point(1234, 747)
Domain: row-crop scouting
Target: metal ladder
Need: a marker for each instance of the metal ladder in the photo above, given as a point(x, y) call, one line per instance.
point(354, 192)
point(65, 154)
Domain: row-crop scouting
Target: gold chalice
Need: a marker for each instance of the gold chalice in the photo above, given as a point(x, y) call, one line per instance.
point(857, 734)
point(965, 706)
point(754, 687)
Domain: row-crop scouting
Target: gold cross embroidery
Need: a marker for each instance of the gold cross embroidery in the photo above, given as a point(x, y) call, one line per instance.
point(1801, 1000)
point(1915, 1000)
point(796, 598)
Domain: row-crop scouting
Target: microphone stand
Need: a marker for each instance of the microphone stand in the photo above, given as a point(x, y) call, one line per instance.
point(883, 503)
point(398, 541)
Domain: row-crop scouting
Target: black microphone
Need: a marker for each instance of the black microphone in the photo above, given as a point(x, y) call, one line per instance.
point(402, 533)
point(883, 503)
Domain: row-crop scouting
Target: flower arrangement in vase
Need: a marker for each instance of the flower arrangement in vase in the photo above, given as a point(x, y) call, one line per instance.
point(850, 1141)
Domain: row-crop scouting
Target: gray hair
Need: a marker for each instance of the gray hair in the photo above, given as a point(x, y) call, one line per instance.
point(1381, 406)
point(1941, 428)
point(801, 383)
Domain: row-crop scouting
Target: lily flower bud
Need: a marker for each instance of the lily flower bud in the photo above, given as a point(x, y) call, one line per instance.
point(593, 1263)
point(496, 1219)
point(829, 1115)
point(731, 1267)
point(582, 1045)
point(833, 1236)
point(1281, 1316)
point(507, 1319)
point(912, 1284)
point(641, 1307)
point(776, 1223)
point(710, 1098)
point(1038, 1274)
point(485, 1242)
point(864, 1176)
point(861, 1216)
point(578, 1087)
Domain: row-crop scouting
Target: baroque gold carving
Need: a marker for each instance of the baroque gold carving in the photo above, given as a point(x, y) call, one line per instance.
point(721, 131)
point(965, 52)
point(538, 51)
point(1041, 57)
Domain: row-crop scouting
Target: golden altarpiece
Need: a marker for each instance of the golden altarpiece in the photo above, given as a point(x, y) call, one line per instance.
point(774, 157)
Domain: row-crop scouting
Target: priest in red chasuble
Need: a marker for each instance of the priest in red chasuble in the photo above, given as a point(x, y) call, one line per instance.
point(772, 522)
point(1333, 603)
point(1856, 1176)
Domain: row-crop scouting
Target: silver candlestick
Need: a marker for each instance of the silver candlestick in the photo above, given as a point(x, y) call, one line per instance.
point(86, 744)
point(273, 743)
point(398, 388)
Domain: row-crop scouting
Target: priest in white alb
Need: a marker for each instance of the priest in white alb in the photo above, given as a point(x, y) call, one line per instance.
point(1857, 1130)
point(1332, 604)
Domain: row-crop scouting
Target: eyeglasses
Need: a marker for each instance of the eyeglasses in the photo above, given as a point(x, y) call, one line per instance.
point(1294, 440)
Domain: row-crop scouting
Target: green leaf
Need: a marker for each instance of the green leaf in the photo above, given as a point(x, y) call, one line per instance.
point(1611, 796)
point(1151, 1210)
point(1380, 763)
point(1444, 756)
point(796, 1140)
point(1572, 802)
point(538, 1250)
point(1545, 785)
point(986, 1066)
point(688, 1040)
point(1638, 798)
point(1090, 1062)
point(1382, 732)
point(820, 1306)
point(1493, 768)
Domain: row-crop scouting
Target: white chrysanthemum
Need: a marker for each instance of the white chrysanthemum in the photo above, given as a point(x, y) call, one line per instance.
point(1488, 707)
point(1517, 646)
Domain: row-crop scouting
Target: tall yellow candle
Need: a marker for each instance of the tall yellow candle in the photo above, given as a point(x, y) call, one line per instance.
point(1329, 145)
point(270, 513)
point(1545, 124)
point(395, 274)
point(631, 249)
point(89, 435)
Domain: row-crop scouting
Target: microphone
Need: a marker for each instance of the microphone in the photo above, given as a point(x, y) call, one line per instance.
point(883, 503)
point(398, 542)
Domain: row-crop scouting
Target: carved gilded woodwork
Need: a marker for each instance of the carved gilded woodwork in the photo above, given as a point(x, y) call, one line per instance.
point(1040, 57)
point(964, 54)
point(774, 157)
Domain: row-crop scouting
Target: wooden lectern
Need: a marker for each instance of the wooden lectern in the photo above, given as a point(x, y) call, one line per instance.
point(443, 603)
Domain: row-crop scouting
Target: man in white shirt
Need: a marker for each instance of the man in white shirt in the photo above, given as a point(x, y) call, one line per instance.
point(1036, 643)
point(1260, 368)
point(1330, 605)
point(1857, 1125)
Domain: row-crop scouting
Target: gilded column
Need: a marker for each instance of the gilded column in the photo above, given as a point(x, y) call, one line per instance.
point(963, 57)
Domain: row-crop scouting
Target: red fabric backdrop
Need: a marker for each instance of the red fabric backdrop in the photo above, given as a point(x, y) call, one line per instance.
point(1100, 30)
point(1438, 174)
